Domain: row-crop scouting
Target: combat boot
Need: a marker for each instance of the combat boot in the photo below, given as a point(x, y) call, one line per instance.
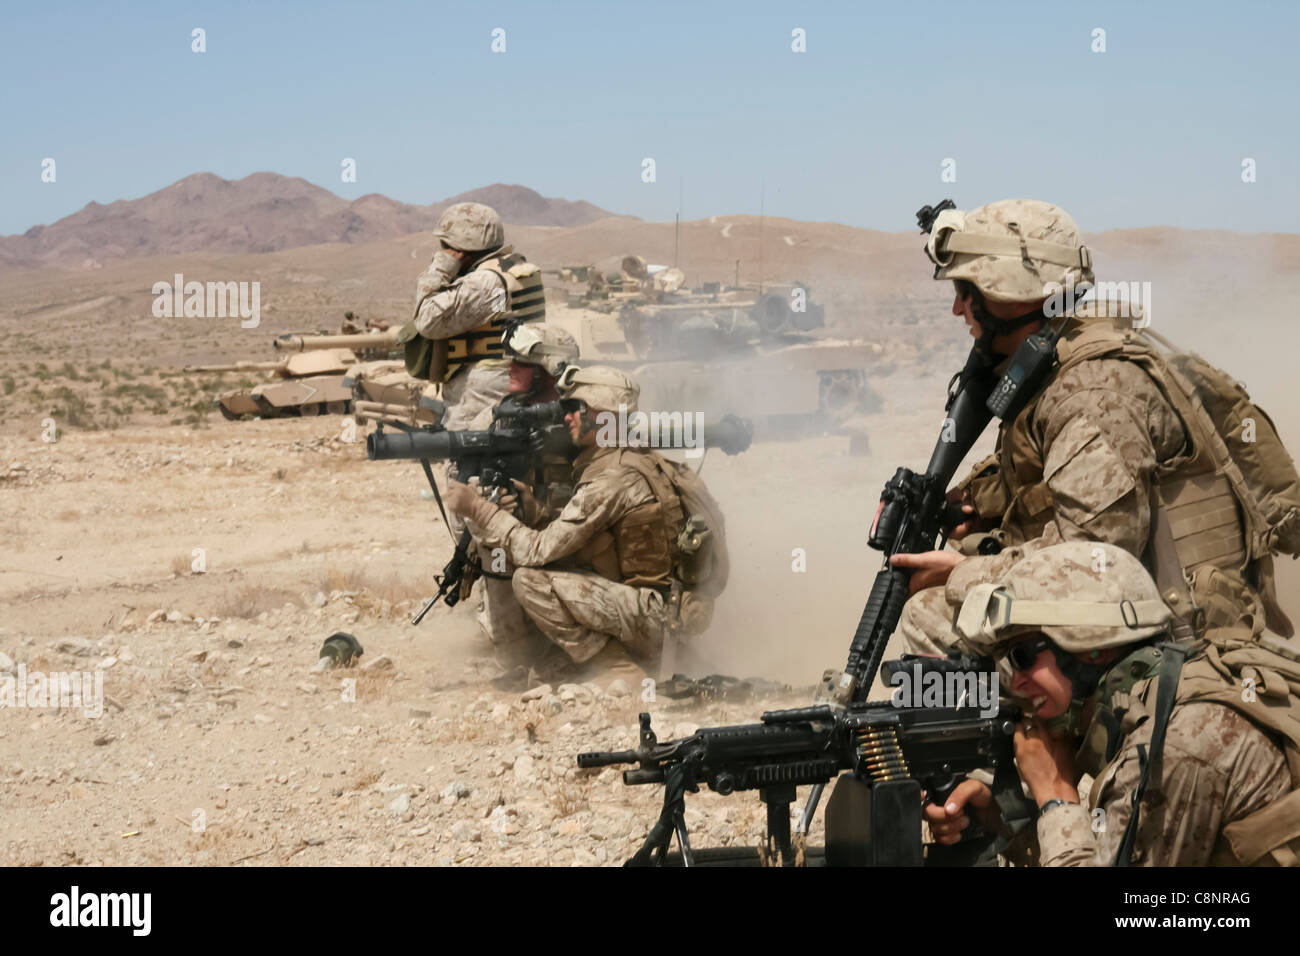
point(555, 667)
point(613, 663)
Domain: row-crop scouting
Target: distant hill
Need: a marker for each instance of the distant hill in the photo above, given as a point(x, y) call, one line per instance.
point(264, 212)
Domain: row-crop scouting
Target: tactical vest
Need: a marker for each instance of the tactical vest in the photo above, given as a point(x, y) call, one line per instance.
point(674, 544)
point(524, 300)
point(1260, 681)
point(1210, 548)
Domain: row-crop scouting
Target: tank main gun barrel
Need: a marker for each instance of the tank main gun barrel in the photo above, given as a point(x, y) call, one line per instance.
point(237, 367)
point(361, 340)
point(700, 306)
point(369, 410)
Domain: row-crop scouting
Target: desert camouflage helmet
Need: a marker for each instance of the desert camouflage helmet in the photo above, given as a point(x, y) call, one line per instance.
point(600, 387)
point(1010, 249)
point(470, 227)
point(1084, 595)
point(540, 344)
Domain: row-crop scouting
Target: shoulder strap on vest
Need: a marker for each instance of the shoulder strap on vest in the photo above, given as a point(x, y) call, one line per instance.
point(1170, 669)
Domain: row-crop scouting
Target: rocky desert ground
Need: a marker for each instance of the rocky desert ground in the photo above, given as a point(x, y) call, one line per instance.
point(213, 711)
point(195, 565)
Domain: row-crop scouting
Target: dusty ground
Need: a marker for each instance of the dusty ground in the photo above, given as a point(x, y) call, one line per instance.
point(213, 711)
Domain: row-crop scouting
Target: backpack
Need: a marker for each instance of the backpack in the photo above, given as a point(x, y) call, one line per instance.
point(699, 546)
point(1261, 681)
point(704, 534)
point(1236, 449)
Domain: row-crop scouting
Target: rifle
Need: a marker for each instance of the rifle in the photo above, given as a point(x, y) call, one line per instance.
point(883, 814)
point(900, 750)
point(496, 456)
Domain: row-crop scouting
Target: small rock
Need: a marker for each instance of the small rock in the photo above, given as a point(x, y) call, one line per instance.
point(419, 831)
point(417, 714)
point(537, 693)
point(155, 616)
point(524, 769)
point(463, 830)
point(503, 821)
point(401, 804)
point(174, 617)
point(381, 663)
point(618, 688)
point(454, 791)
point(77, 646)
point(319, 600)
point(104, 740)
point(125, 654)
point(105, 664)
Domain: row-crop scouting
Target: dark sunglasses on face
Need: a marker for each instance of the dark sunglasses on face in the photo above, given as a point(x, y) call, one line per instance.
point(965, 288)
point(1023, 655)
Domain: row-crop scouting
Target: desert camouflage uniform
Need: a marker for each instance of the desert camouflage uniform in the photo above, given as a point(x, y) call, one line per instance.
point(1218, 767)
point(566, 574)
point(511, 631)
point(458, 305)
point(1078, 463)
point(1099, 428)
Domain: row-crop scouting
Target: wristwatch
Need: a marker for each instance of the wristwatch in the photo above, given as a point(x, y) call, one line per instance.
point(1053, 804)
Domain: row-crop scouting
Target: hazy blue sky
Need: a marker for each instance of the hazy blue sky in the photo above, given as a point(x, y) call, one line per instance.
point(1151, 132)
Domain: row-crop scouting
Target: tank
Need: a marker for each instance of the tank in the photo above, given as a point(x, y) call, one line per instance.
point(306, 384)
point(383, 391)
point(763, 354)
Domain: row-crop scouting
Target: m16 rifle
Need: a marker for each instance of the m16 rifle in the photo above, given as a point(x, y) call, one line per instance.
point(914, 516)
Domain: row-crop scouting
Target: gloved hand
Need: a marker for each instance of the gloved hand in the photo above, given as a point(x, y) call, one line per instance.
point(468, 503)
point(523, 505)
point(444, 267)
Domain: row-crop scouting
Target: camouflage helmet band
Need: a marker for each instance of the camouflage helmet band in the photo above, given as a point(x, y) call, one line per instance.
point(988, 610)
point(948, 237)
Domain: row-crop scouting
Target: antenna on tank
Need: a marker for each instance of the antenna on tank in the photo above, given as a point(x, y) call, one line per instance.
point(677, 222)
point(762, 194)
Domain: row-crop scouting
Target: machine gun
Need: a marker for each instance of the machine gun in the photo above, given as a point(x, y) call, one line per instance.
point(914, 516)
point(900, 750)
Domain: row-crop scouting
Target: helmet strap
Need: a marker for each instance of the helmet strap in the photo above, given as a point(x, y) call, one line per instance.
point(991, 326)
point(1083, 678)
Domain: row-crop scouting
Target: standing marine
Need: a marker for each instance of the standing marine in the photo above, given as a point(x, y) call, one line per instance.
point(474, 286)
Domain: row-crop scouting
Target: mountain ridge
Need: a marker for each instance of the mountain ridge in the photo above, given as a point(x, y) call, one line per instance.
point(262, 212)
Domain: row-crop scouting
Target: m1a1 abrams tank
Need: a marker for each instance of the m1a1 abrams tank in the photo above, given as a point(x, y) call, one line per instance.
point(763, 354)
point(300, 385)
point(378, 385)
point(383, 391)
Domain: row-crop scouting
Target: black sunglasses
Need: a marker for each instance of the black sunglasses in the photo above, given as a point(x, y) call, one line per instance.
point(1023, 655)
